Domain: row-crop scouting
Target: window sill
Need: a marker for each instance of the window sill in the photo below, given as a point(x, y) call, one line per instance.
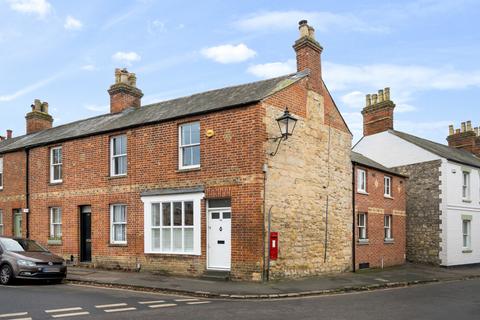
point(189, 169)
point(117, 177)
point(55, 183)
point(362, 241)
point(176, 254)
point(466, 201)
point(54, 242)
point(363, 192)
point(118, 245)
point(389, 241)
point(467, 251)
point(387, 197)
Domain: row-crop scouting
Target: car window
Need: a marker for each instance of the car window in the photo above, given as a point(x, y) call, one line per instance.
point(11, 245)
point(31, 246)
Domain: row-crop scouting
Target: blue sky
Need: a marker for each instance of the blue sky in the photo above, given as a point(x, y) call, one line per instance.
point(65, 52)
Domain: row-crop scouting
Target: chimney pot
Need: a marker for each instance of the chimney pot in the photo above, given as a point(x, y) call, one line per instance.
point(9, 134)
point(39, 118)
point(374, 98)
point(451, 131)
point(380, 95)
point(469, 126)
point(463, 127)
point(368, 102)
point(387, 94)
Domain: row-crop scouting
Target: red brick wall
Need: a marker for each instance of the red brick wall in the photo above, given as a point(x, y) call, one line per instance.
point(376, 205)
point(467, 141)
point(38, 123)
point(120, 101)
point(12, 195)
point(378, 118)
point(231, 165)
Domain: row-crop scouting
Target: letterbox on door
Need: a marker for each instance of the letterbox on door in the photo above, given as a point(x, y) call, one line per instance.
point(273, 245)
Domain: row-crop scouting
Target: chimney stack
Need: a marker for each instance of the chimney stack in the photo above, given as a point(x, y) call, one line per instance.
point(309, 52)
point(124, 92)
point(9, 134)
point(38, 119)
point(466, 138)
point(378, 112)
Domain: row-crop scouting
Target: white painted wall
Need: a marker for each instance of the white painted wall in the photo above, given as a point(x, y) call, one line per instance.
point(392, 151)
point(455, 206)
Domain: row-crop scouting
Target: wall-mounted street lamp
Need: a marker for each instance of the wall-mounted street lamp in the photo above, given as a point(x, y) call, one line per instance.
point(286, 124)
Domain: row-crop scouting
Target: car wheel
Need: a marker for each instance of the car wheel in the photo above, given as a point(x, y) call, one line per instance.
point(6, 274)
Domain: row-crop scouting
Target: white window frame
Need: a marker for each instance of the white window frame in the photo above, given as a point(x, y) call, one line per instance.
point(387, 227)
point(53, 165)
point(1, 173)
point(181, 147)
point(113, 224)
point(362, 228)
point(148, 201)
point(465, 185)
point(1, 223)
point(53, 224)
point(467, 234)
point(362, 179)
point(113, 156)
point(387, 186)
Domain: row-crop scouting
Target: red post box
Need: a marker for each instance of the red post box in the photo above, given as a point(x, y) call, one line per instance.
point(273, 245)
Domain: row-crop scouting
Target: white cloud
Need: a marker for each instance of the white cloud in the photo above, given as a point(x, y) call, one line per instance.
point(354, 99)
point(40, 8)
point(322, 20)
point(72, 24)
point(157, 26)
point(228, 53)
point(29, 88)
point(88, 67)
point(126, 57)
point(97, 108)
point(273, 69)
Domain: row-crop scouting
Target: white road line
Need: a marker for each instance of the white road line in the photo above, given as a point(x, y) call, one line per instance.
point(185, 300)
point(150, 302)
point(63, 315)
point(21, 319)
point(120, 310)
point(199, 302)
point(163, 305)
point(63, 310)
point(110, 305)
point(9, 315)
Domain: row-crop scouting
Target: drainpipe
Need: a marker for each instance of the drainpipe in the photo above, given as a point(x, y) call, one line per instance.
point(265, 170)
point(27, 190)
point(353, 218)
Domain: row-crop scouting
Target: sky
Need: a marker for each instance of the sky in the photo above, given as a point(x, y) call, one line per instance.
point(65, 53)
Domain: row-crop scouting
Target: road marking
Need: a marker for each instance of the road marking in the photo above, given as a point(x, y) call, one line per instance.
point(163, 305)
point(110, 305)
point(380, 279)
point(63, 310)
point(74, 314)
point(185, 300)
point(120, 309)
point(9, 315)
point(199, 302)
point(21, 318)
point(150, 302)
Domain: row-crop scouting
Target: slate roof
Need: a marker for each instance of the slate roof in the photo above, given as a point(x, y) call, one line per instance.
point(200, 103)
point(362, 160)
point(444, 151)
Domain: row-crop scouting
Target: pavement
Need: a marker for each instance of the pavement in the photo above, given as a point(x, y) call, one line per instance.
point(401, 276)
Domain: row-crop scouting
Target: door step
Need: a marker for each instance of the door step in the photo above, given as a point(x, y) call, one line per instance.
point(217, 275)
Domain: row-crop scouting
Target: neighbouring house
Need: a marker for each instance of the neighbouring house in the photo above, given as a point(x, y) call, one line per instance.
point(380, 216)
point(192, 185)
point(443, 185)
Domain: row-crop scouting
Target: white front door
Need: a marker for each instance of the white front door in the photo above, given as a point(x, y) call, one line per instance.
point(219, 239)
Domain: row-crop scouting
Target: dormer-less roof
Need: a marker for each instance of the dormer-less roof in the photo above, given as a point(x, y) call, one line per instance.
point(214, 100)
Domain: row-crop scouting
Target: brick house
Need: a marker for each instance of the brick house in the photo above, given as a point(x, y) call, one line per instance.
point(380, 216)
point(190, 185)
point(443, 198)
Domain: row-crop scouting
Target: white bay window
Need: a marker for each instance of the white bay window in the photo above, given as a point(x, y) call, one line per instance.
point(172, 224)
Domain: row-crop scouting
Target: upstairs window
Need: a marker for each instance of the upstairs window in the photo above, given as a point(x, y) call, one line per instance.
point(56, 165)
point(362, 226)
point(466, 185)
point(118, 155)
point(1, 173)
point(387, 186)
point(189, 153)
point(388, 227)
point(361, 181)
point(55, 223)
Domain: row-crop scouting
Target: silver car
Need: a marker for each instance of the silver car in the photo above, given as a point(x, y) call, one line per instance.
point(26, 259)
